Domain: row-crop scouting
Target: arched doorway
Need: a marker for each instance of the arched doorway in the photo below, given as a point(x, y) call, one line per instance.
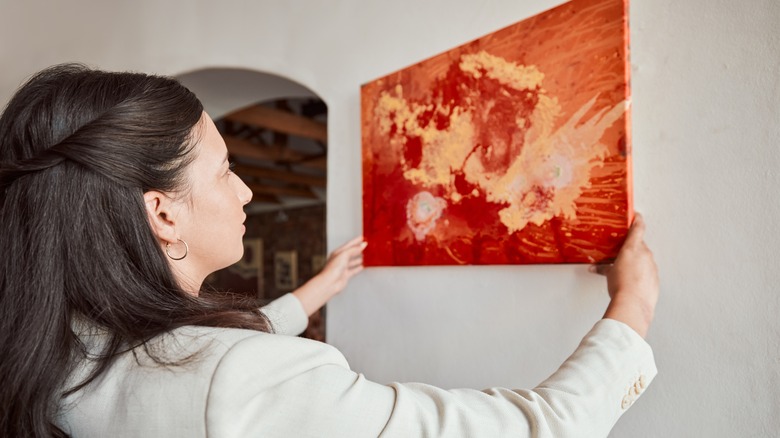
point(276, 134)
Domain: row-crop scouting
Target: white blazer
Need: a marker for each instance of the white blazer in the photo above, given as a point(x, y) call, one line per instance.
point(242, 383)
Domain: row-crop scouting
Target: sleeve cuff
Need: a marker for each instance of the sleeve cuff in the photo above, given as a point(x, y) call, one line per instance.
point(641, 366)
point(287, 315)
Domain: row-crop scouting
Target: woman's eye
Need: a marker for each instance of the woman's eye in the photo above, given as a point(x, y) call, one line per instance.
point(231, 166)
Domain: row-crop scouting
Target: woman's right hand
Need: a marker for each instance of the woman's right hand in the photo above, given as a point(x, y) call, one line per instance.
point(632, 281)
point(343, 264)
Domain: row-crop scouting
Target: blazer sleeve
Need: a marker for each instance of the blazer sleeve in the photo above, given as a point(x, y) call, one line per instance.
point(316, 395)
point(287, 315)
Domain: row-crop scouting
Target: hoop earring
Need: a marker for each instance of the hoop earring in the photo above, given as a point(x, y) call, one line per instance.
point(168, 249)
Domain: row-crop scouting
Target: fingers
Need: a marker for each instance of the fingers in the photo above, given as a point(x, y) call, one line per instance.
point(355, 261)
point(601, 268)
point(637, 232)
point(634, 239)
point(352, 251)
point(350, 255)
point(356, 243)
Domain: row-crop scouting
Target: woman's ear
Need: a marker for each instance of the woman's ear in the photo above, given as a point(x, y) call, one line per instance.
point(158, 210)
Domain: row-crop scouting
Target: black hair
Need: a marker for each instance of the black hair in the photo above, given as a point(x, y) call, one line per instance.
point(78, 149)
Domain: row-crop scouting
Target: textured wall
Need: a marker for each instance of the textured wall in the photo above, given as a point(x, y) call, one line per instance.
point(706, 118)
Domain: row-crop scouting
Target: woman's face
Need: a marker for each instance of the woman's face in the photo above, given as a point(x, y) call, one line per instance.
point(211, 218)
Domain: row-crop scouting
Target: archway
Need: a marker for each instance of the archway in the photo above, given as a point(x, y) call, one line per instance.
point(276, 133)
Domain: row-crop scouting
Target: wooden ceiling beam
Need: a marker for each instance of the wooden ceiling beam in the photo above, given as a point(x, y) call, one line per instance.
point(244, 148)
point(274, 153)
point(281, 175)
point(281, 121)
point(281, 191)
point(320, 162)
point(261, 198)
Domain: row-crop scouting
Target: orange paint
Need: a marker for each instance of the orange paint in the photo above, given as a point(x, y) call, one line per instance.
point(513, 148)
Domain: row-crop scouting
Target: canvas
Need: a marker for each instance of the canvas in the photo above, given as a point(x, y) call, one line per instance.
point(511, 149)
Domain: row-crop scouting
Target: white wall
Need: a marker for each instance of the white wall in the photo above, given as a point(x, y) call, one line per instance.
point(223, 90)
point(706, 118)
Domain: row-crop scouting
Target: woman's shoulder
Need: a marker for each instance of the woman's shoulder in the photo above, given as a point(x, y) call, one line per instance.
point(213, 344)
point(165, 384)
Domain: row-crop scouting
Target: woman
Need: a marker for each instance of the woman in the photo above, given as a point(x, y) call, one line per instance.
point(117, 200)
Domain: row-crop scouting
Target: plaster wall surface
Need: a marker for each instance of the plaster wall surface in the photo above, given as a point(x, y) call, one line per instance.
point(706, 124)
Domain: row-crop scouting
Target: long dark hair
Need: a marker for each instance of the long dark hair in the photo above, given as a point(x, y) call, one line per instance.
point(78, 148)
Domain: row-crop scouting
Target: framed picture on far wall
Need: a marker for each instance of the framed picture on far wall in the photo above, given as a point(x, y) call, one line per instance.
point(317, 263)
point(286, 270)
point(250, 267)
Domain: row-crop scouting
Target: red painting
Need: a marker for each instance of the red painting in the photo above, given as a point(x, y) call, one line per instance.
point(511, 149)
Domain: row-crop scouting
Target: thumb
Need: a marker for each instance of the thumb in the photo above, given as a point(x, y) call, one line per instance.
point(637, 232)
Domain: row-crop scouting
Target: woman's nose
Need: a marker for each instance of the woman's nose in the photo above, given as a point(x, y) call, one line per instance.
point(244, 192)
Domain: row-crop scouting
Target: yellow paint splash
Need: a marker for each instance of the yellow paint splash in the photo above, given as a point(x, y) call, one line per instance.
point(558, 164)
point(519, 77)
point(545, 178)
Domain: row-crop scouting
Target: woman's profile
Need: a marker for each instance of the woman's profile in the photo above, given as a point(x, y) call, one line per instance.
point(117, 200)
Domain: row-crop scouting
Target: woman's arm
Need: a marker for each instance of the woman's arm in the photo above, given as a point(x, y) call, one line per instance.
point(585, 397)
point(632, 282)
point(289, 314)
point(284, 386)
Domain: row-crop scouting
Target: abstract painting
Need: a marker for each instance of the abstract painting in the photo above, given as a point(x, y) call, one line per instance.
point(510, 149)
